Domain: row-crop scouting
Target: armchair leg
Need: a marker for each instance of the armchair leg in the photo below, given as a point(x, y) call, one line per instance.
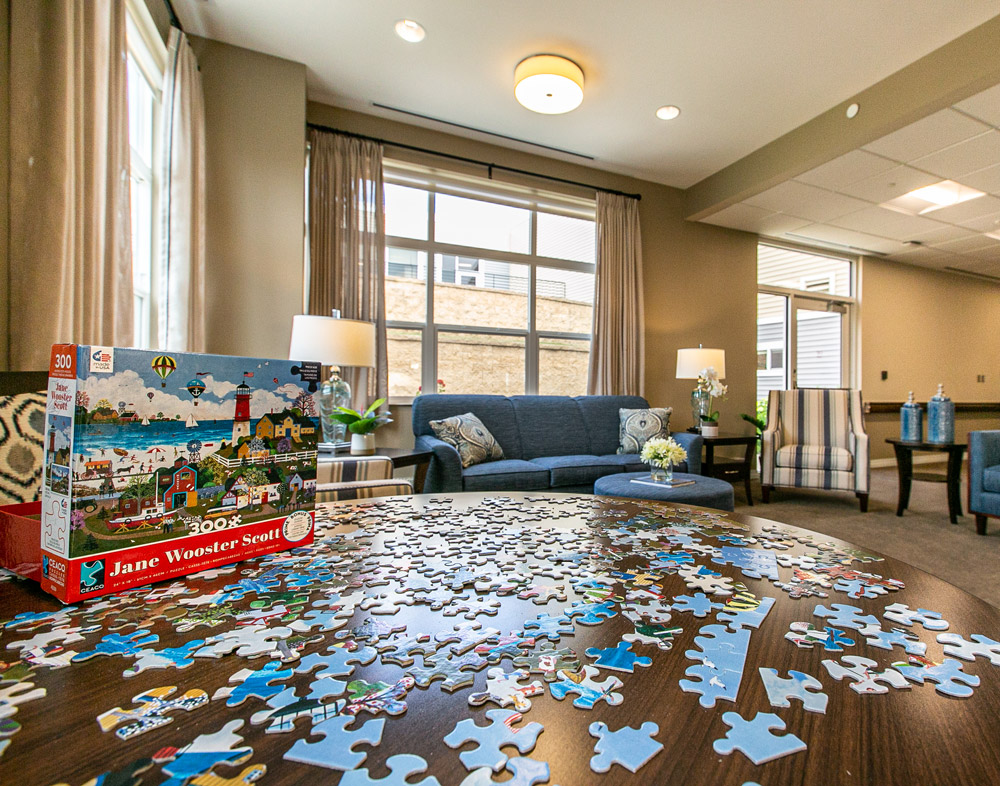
point(980, 524)
point(765, 493)
point(863, 499)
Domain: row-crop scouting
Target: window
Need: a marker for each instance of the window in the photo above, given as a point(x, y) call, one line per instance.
point(489, 288)
point(146, 60)
point(805, 314)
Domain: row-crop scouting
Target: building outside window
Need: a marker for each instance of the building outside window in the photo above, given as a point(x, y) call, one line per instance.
point(489, 287)
point(806, 304)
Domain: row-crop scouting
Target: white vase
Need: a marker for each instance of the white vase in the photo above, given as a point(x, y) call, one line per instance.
point(709, 429)
point(362, 444)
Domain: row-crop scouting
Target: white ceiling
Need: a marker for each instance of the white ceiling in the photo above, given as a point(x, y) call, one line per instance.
point(743, 74)
point(838, 203)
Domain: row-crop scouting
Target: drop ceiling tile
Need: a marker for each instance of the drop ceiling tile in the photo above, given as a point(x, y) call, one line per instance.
point(943, 233)
point(932, 133)
point(955, 162)
point(985, 106)
point(967, 244)
point(755, 219)
point(889, 185)
point(805, 201)
point(858, 241)
point(987, 180)
point(966, 211)
point(886, 223)
point(846, 169)
point(990, 223)
point(924, 257)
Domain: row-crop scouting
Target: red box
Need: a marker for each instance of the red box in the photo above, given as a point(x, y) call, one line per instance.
point(21, 540)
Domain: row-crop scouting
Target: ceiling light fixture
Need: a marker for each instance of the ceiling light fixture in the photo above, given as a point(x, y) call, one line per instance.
point(668, 112)
point(410, 31)
point(548, 84)
point(932, 197)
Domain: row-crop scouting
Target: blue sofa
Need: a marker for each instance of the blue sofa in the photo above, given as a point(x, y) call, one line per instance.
point(984, 476)
point(553, 443)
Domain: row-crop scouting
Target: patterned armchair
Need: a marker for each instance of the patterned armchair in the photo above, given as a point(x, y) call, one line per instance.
point(816, 439)
point(22, 434)
point(357, 477)
point(984, 476)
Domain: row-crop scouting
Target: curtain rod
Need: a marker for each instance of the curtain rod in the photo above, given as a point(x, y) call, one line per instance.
point(174, 20)
point(475, 161)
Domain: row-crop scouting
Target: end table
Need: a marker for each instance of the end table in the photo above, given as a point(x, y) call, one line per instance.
point(728, 469)
point(953, 477)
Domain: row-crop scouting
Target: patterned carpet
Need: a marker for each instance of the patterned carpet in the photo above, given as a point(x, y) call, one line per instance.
point(923, 537)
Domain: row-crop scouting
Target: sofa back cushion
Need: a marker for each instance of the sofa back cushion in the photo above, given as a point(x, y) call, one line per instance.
point(496, 413)
point(601, 421)
point(550, 426)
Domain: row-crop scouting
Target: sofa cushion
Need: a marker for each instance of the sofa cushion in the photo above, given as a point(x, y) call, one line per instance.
point(991, 479)
point(505, 475)
point(814, 457)
point(600, 418)
point(639, 425)
point(496, 413)
point(550, 426)
point(577, 470)
point(467, 434)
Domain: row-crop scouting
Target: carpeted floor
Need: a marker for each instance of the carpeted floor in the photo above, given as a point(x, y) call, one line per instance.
point(923, 537)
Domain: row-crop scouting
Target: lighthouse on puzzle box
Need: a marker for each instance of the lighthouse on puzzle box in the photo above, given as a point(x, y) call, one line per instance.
point(241, 420)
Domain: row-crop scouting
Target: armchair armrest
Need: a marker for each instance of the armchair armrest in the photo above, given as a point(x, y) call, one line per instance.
point(692, 443)
point(444, 475)
point(984, 451)
point(770, 441)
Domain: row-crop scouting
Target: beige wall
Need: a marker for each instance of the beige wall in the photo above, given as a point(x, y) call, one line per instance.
point(255, 147)
point(924, 327)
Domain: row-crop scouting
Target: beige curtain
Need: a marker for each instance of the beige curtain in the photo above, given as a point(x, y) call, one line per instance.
point(70, 254)
point(347, 244)
point(182, 199)
point(617, 348)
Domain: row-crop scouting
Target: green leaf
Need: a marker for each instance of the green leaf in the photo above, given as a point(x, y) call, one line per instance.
point(374, 406)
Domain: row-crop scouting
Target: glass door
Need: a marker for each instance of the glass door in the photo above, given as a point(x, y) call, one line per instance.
point(818, 335)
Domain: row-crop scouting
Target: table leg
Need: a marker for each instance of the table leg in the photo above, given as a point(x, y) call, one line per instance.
point(904, 463)
point(708, 468)
point(747, 463)
point(419, 476)
point(954, 485)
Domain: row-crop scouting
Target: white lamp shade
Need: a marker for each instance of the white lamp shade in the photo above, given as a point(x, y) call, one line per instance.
point(690, 362)
point(332, 341)
point(548, 84)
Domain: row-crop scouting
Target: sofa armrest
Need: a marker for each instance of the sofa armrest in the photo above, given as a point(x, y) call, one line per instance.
point(984, 451)
point(692, 443)
point(444, 475)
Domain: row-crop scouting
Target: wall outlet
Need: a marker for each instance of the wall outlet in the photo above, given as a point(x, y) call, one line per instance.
point(980, 377)
point(885, 375)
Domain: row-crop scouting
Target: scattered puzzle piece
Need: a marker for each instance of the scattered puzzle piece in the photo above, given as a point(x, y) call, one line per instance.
point(698, 604)
point(253, 683)
point(335, 751)
point(168, 658)
point(887, 639)
point(152, 711)
point(901, 613)
point(591, 613)
point(117, 644)
point(948, 675)
point(755, 740)
point(402, 767)
point(452, 670)
point(803, 687)
point(755, 563)
point(629, 747)
point(618, 658)
point(979, 647)
point(550, 627)
point(864, 679)
point(491, 738)
point(806, 635)
point(503, 689)
point(548, 661)
point(208, 750)
point(588, 690)
point(840, 615)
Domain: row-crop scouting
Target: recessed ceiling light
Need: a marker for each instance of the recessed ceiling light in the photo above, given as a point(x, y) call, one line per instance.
point(548, 84)
point(410, 31)
point(933, 197)
point(852, 111)
point(667, 112)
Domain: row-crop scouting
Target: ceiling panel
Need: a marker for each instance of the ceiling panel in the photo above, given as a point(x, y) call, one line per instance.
point(889, 185)
point(967, 244)
point(988, 223)
point(955, 162)
point(886, 223)
point(849, 168)
point(966, 211)
point(756, 219)
point(934, 132)
point(846, 237)
point(946, 232)
point(805, 201)
point(985, 106)
point(987, 180)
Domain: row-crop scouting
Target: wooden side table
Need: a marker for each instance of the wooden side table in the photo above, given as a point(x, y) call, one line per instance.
point(728, 469)
point(401, 457)
point(953, 477)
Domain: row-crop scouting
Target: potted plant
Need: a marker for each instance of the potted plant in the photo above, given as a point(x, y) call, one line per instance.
point(661, 455)
point(708, 383)
point(362, 426)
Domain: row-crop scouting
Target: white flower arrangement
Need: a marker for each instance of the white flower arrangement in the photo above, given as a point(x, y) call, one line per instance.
point(660, 452)
point(708, 381)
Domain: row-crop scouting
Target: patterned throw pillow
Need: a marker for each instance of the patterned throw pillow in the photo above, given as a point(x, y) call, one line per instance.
point(467, 434)
point(639, 425)
point(22, 440)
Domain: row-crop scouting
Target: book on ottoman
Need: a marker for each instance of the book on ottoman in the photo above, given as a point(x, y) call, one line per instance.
point(163, 464)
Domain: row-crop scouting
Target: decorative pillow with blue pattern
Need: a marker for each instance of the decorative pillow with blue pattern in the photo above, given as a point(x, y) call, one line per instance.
point(467, 434)
point(639, 425)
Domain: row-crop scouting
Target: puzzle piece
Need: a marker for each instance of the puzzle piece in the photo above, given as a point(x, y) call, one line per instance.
point(948, 675)
point(805, 589)
point(591, 613)
point(490, 739)
point(152, 711)
point(661, 636)
point(526, 772)
point(588, 690)
point(386, 602)
point(337, 662)
point(720, 667)
point(698, 604)
point(286, 707)
point(61, 636)
point(401, 649)
point(886, 639)
point(701, 578)
point(253, 683)
point(550, 627)
point(749, 612)
point(980, 646)
point(618, 658)
point(512, 645)
point(840, 615)
point(864, 680)
point(903, 614)
point(14, 693)
point(856, 588)
point(548, 661)
point(629, 747)
point(205, 752)
point(117, 644)
point(543, 593)
point(451, 669)
point(376, 697)
point(335, 751)
point(249, 775)
point(805, 635)
point(503, 689)
point(248, 642)
point(473, 608)
point(371, 630)
point(327, 615)
point(657, 612)
point(402, 766)
point(755, 740)
point(803, 687)
point(170, 657)
point(755, 563)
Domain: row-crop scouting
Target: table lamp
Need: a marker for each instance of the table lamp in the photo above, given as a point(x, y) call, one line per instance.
point(334, 342)
point(690, 363)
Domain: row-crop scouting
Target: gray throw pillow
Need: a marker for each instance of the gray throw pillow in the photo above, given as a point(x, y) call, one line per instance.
point(467, 434)
point(639, 425)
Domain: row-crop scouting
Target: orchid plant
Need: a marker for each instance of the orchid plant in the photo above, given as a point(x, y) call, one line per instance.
point(660, 452)
point(708, 382)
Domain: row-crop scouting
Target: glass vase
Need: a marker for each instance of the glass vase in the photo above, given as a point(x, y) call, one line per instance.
point(662, 474)
point(701, 404)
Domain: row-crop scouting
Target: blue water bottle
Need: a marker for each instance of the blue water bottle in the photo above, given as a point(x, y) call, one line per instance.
point(940, 418)
point(911, 421)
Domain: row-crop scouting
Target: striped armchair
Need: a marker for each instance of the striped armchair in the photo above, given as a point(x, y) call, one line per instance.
point(357, 477)
point(816, 439)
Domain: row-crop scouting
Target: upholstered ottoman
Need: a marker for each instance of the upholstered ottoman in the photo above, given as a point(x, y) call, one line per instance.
point(706, 492)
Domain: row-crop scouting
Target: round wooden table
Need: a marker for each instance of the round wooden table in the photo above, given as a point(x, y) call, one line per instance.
point(488, 549)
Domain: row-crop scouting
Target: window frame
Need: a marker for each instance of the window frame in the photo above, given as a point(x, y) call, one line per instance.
point(434, 183)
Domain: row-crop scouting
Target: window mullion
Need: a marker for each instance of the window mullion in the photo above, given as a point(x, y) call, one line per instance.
point(531, 348)
point(428, 347)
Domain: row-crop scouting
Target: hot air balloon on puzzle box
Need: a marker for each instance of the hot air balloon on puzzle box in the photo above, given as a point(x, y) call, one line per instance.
point(160, 464)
